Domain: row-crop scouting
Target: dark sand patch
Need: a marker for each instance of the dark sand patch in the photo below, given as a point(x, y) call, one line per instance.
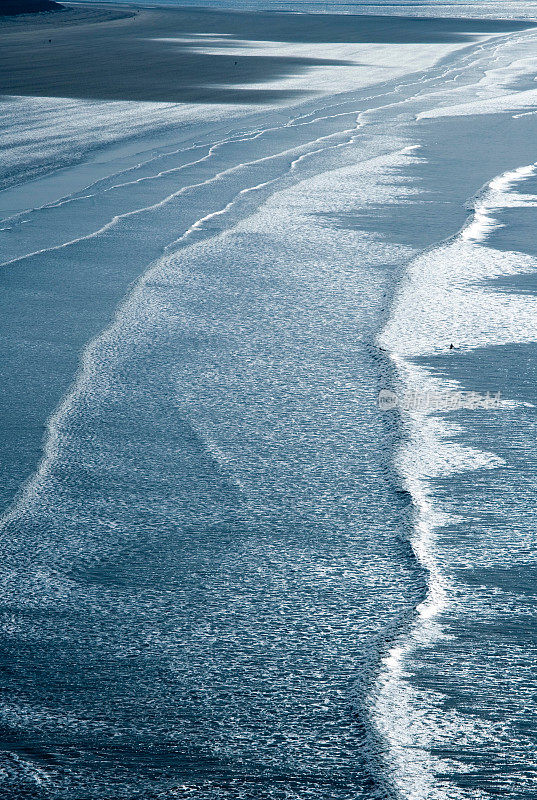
point(11, 7)
point(118, 59)
point(66, 16)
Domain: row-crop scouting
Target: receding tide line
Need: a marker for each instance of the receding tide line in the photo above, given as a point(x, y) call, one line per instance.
point(350, 132)
point(88, 373)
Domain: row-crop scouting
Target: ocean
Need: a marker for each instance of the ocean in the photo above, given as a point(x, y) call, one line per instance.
point(467, 9)
point(269, 422)
point(494, 9)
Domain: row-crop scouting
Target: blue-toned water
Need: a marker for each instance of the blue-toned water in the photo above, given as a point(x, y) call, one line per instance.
point(498, 9)
point(225, 571)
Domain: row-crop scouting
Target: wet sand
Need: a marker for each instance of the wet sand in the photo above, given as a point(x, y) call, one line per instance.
point(114, 54)
point(13, 7)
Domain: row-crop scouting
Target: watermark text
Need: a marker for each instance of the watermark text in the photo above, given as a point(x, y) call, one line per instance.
point(438, 401)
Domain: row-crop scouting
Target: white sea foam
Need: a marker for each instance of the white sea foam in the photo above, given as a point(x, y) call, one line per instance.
point(405, 717)
point(143, 305)
point(500, 88)
point(341, 138)
point(498, 196)
point(440, 301)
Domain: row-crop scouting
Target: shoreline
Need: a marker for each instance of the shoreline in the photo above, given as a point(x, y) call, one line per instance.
point(189, 55)
point(67, 15)
point(197, 332)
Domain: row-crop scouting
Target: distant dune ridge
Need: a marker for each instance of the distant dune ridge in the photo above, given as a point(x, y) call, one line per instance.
point(11, 7)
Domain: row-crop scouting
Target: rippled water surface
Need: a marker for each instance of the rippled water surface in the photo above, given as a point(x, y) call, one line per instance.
point(226, 573)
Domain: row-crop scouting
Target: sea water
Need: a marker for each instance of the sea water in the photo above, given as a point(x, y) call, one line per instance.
point(226, 572)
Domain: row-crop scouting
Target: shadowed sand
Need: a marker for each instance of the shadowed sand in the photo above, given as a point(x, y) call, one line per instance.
point(10, 7)
point(113, 54)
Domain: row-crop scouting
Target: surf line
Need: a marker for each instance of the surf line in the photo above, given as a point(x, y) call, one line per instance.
point(494, 196)
point(426, 450)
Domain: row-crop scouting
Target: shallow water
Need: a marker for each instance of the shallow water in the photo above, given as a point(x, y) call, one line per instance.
point(229, 573)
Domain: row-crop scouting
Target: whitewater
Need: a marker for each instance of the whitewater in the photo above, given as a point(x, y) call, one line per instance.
point(227, 570)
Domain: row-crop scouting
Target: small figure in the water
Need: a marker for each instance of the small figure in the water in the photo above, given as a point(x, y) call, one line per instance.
point(452, 346)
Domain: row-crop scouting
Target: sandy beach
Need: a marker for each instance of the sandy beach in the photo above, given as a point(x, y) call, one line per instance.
point(155, 55)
